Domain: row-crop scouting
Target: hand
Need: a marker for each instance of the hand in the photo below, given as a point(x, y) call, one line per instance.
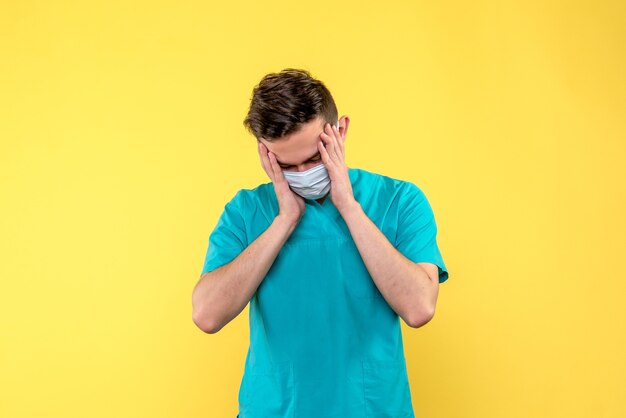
point(332, 150)
point(291, 205)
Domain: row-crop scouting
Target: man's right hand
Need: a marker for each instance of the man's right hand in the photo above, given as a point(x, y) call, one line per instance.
point(291, 205)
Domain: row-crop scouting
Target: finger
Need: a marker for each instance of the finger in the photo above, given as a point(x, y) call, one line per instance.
point(335, 141)
point(339, 140)
point(330, 146)
point(264, 159)
point(265, 162)
point(325, 157)
point(278, 173)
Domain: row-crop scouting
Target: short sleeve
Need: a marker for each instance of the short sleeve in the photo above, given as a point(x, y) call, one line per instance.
point(228, 238)
point(416, 235)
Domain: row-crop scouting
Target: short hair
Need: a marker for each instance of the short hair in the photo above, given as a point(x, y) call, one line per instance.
point(283, 101)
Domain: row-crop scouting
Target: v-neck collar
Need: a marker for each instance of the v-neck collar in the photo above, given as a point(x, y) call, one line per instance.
point(328, 203)
point(328, 207)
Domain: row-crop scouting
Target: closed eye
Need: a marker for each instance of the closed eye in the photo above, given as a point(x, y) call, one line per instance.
point(314, 159)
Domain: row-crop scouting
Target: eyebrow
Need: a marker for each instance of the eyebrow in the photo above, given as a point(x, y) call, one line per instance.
point(310, 158)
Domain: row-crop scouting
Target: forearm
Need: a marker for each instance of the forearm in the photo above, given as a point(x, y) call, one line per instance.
point(220, 295)
point(405, 286)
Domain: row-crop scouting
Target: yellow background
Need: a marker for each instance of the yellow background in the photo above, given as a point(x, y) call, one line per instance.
point(122, 138)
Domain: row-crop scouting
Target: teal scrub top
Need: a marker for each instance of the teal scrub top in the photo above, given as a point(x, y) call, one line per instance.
point(324, 343)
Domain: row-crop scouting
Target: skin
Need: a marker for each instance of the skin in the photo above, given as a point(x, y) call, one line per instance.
point(295, 153)
point(411, 289)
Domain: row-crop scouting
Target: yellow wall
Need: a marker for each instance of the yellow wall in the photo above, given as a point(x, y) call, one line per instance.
point(121, 140)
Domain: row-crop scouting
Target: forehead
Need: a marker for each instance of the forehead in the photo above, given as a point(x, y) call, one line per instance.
point(299, 146)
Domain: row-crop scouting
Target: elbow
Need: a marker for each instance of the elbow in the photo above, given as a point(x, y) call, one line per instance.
point(420, 318)
point(201, 315)
point(205, 322)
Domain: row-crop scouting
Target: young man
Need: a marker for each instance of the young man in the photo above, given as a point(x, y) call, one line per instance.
point(329, 257)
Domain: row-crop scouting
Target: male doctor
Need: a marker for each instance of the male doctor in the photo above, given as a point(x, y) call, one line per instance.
point(330, 258)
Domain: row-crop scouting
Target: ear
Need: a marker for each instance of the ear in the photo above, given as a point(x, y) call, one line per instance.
point(344, 122)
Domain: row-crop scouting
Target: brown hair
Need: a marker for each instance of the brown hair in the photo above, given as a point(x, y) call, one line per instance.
point(282, 101)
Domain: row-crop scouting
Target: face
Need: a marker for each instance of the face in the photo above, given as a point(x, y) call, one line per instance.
point(299, 151)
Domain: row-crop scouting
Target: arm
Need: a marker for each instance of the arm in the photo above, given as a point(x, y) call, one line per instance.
point(411, 289)
point(220, 295)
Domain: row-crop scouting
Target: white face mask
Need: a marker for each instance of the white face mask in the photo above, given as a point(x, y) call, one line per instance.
point(313, 183)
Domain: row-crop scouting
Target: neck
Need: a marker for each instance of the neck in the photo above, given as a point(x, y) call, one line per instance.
point(321, 199)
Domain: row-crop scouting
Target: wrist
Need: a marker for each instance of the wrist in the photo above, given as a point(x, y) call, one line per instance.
point(288, 221)
point(350, 208)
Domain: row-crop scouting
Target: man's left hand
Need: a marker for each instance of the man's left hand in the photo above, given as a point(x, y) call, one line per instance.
point(331, 148)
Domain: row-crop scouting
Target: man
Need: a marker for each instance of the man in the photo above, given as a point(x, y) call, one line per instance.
point(329, 257)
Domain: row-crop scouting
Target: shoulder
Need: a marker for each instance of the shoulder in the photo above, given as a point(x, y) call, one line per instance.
point(386, 187)
point(246, 199)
